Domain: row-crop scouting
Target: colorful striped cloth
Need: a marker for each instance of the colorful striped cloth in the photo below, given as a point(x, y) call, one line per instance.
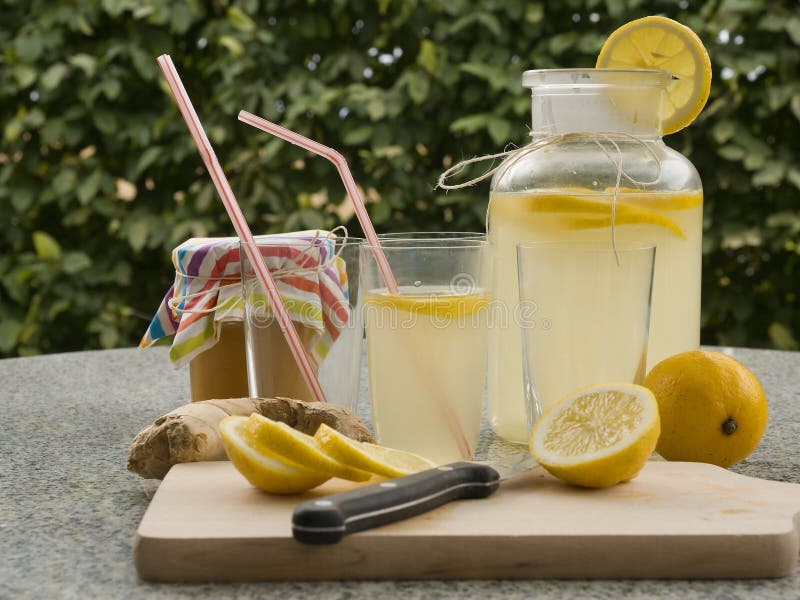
point(207, 291)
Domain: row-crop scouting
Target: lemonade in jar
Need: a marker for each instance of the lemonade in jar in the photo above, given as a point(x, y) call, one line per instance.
point(597, 170)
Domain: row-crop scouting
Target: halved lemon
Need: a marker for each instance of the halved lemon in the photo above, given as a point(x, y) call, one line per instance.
point(260, 467)
point(660, 43)
point(380, 460)
point(599, 435)
point(299, 449)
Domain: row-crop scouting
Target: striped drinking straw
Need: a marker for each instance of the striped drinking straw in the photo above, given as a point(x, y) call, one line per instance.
point(240, 225)
point(347, 178)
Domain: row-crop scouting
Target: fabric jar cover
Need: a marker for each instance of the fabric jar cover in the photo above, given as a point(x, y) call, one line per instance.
point(207, 291)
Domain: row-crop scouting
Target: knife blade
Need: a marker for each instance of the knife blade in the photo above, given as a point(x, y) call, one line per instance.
point(327, 520)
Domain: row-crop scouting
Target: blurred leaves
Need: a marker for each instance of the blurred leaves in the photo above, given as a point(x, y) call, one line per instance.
point(99, 178)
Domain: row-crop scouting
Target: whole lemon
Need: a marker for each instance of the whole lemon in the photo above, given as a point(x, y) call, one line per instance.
point(712, 408)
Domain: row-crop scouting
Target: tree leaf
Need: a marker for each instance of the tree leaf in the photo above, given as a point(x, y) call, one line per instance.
point(105, 121)
point(499, 130)
point(778, 95)
point(418, 86)
point(29, 47)
point(74, 262)
point(85, 62)
point(771, 174)
point(723, 131)
point(240, 20)
point(427, 56)
point(793, 29)
point(53, 76)
point(561, 42)
point(355, 136)
point(376, 109)
point(64, 181)
point(794, 176)
point(616, 8)
point(380, 212)
point(731, 152)
point(147, 158)
point(88, 187)
point(469, 124)
point(24, 75)
point(111, 88)
point(22, 199)
point(46, 246)
point(534, 13)
point(772, 22)
point(180, 17)
point(782, 337)
point(233, 45)
point(137, 235)
point(795, 104)
point(9, 334)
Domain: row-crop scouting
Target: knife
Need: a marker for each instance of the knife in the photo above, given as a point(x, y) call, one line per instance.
point(326, 520)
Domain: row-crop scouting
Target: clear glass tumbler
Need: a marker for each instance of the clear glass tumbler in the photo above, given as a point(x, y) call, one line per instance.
point(427, 344)
point(584, 315)
point(319, 283)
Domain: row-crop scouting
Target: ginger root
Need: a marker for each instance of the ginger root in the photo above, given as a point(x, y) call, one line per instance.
point(190, 433)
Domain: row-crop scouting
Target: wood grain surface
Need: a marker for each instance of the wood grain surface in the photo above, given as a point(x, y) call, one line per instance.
point(675, 520)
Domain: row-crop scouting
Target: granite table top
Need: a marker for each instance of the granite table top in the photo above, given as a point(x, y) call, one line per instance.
point(69, 508)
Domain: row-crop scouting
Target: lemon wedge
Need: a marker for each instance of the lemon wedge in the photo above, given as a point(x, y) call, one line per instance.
point(598, 436)
point(660, 43)
point(299, 449)
point(263, 469)
point(380, 460)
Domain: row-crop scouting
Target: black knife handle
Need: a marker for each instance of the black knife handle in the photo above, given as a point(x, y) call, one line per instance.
point(327, 519)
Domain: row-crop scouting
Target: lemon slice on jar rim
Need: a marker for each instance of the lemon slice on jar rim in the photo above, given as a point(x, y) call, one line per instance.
point(657, 42)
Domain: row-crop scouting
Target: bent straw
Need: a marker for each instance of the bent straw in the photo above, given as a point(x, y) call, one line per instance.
point(373, 242)
point(240, 224)
point(347, 178)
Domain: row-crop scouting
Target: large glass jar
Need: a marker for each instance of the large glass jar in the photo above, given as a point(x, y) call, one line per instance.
point(594, 131)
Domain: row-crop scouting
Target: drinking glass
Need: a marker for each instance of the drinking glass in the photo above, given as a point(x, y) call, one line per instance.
point(584, 315)
point(427, 343)
point(432, 235)
point(320, 287)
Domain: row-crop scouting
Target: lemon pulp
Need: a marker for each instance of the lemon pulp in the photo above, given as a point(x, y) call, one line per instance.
point(598, 436)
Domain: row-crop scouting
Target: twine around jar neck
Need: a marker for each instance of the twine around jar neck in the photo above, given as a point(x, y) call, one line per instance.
point(513, 156)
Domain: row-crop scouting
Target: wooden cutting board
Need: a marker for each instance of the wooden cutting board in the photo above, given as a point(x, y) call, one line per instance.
point(676, 520)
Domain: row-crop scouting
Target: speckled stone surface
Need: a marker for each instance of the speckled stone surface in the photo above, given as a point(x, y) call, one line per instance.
point(69, 509)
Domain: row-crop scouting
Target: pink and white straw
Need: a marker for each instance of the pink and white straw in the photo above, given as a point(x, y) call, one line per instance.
point(347, 178)
point(240, 225)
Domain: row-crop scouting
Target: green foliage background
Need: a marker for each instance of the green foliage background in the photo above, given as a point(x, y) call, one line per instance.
point(99, 178)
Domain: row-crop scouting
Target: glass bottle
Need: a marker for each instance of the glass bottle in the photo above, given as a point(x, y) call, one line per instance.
point(594, 131)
